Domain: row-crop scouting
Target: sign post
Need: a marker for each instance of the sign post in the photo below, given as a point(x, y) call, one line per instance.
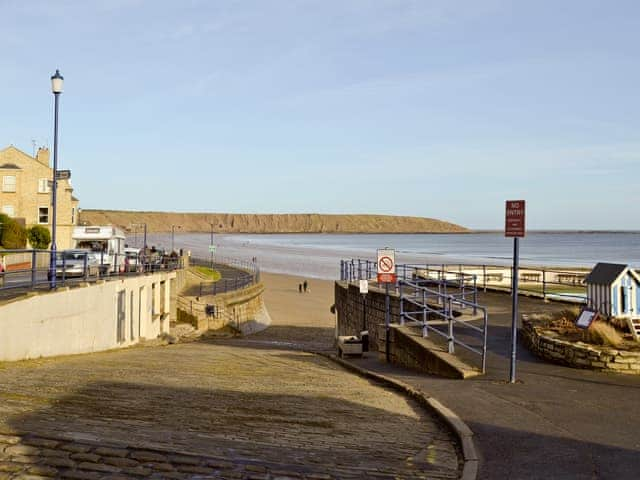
point(387, 275)
point(514, 227)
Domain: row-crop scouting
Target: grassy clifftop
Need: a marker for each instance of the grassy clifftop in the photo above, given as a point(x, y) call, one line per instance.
point(269, 223)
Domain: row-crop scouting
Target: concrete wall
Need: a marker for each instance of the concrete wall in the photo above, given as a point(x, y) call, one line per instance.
point(86, 318)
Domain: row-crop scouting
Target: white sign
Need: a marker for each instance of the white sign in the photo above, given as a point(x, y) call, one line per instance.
point(386, 265)
point(212, 248)
point(364, 286)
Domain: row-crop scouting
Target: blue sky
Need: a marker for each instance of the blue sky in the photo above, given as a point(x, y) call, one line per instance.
point(431, 108)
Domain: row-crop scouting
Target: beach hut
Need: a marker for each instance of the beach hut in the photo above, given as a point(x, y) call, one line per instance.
point(614, 291)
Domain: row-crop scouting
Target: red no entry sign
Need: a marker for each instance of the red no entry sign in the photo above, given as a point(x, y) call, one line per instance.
point(514, 218)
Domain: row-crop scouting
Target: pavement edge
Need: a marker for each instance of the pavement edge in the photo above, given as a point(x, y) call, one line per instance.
point(461, 429)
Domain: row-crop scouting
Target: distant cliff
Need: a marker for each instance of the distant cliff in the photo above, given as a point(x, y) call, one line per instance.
point(269, 223)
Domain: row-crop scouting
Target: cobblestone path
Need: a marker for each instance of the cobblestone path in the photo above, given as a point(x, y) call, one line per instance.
point(203, 410)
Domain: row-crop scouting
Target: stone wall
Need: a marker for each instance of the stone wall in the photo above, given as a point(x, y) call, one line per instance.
point(547, 345)
point(354, 318)
point(406, 345)
point(243, 310)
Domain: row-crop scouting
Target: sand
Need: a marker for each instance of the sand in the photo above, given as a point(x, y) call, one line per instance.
point(300, 320)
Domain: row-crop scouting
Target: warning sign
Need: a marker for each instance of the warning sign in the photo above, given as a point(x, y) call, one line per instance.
point(514, 218)
point(386, 265)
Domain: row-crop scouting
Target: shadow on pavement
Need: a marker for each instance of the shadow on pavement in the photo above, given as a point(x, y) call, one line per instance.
point(133, 428)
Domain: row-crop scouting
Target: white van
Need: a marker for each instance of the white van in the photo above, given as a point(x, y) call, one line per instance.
point(106, 244)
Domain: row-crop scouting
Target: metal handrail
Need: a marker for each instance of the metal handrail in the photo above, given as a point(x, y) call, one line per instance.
point(442, 305)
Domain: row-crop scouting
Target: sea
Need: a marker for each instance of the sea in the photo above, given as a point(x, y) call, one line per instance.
point(319, 255)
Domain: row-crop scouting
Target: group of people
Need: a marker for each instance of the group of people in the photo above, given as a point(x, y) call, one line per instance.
point(303, 287)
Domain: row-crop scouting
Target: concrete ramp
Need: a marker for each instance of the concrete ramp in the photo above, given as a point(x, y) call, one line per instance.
point(409, 349)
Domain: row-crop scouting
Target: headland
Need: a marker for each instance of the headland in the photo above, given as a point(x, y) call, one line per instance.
point(269, 223)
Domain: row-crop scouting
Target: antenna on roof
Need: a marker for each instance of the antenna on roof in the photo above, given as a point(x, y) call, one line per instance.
point(33, 144)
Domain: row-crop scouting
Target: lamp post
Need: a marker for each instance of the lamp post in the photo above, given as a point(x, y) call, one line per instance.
point(211, 247)
point(173, 230)
point(56, 87)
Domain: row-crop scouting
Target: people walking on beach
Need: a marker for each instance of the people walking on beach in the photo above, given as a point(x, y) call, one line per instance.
point(304, 286)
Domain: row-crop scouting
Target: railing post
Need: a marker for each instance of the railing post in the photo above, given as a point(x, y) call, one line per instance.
point(484, 343)
point(34, 260)
point(451, 347)
point(475, 295)
point(401, 303)
point(484, 276)
point(544, 284)
point(425, 330)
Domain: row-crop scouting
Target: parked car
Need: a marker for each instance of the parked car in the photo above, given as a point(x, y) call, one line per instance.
point(72, 263)
point(132, 260)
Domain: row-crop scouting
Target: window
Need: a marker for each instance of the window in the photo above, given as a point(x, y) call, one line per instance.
point(8, 210)
point(43, 214)
point(73, 216)
point(43, 185)
point(9, 183)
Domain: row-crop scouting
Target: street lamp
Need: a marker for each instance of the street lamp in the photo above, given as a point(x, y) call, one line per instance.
point(56, 87)
point(173, 229)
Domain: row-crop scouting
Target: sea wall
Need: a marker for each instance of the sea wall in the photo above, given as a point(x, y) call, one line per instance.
point(86, 318)
point(243, 310)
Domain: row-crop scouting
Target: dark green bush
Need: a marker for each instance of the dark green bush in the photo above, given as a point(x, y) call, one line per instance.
point(39, 237)
point(13, 235)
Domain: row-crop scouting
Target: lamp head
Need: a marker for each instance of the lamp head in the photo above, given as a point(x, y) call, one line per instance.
point(57, 82)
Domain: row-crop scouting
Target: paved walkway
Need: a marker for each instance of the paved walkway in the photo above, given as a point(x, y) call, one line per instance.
point(201, 410)
point(556, 422)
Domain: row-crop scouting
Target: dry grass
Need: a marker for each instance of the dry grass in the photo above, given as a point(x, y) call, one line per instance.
point(603, 333)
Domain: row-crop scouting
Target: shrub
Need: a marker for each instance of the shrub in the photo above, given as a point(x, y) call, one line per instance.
point(603, 333)
point(13, 234)
point(39, 237)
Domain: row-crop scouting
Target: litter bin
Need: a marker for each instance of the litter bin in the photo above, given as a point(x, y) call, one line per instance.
point(364, 338)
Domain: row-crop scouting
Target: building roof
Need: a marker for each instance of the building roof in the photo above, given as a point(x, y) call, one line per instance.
point(605, 273)
point(11, 166)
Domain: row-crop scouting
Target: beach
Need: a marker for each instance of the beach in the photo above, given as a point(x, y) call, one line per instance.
point(300, 320)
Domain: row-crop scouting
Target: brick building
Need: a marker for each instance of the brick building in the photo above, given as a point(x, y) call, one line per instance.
point(25, 193)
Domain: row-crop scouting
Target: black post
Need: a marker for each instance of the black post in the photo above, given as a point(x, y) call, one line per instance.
point(54, 191)
point(387, 319)
point(514, 310)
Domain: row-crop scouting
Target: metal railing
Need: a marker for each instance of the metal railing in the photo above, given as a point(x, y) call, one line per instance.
point(31, 269)
point(553, 283)
point(440, 313)
point(235, 275)
point(441, 301)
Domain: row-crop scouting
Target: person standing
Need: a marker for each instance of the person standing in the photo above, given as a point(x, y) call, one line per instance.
point(304, 286)
point(299, 288)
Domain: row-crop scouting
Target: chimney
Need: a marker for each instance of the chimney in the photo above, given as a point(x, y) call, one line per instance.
point(43, 156)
